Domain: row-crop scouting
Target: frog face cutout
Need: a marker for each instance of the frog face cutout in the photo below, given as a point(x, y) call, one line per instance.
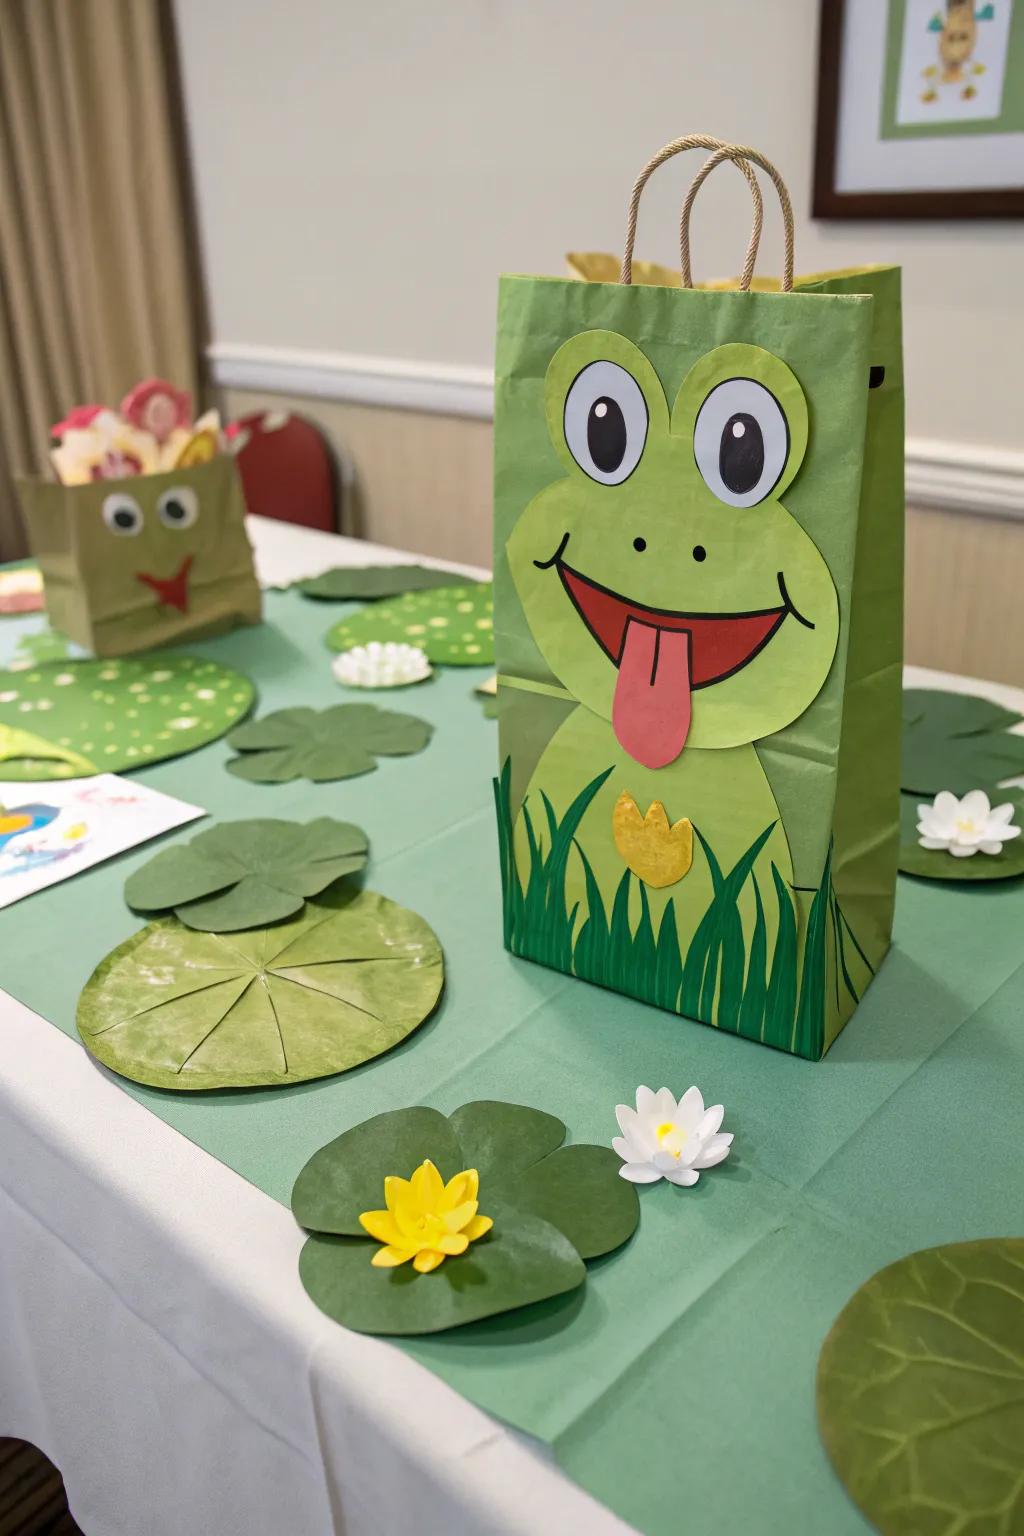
point(662, 578)
point(150, 538)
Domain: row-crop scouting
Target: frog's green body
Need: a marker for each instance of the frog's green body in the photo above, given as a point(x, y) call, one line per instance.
point(688, 615)
point(698, 786)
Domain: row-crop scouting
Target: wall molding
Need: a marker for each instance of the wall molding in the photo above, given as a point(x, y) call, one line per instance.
point(958, 477)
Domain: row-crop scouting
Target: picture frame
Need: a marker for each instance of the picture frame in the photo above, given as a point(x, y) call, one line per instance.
point(884, 68)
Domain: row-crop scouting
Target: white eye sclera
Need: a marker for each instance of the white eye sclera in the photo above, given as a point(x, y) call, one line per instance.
point(605, 422)
point(741, 442)
point(122, 514)
point(178, 507)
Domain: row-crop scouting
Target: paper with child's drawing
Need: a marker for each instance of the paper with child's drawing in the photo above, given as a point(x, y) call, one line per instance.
point(51, 831)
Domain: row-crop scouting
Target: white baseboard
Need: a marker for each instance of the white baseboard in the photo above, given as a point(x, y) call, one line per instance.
point(953, 476)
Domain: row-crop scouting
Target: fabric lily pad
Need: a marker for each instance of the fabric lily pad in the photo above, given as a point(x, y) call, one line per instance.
point(120, 714)
point(562, 1203)
point(27, 757)
point(937, 864)
point(245, 874)
point(921, 1391)
point(321, 745)
point(957, 741)
point(348, 978)
point(454, 625)
point(348, 583)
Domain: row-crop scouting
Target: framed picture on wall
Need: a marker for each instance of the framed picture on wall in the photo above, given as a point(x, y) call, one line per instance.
point(920, 109)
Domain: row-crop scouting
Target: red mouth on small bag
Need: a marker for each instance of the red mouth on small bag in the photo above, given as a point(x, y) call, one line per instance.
point(172, 591)
point(662, 656)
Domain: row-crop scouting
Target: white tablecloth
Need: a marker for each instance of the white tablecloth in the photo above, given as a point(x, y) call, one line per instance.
point(155, 1340)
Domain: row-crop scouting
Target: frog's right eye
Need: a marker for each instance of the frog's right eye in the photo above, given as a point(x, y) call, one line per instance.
point(122, 514)
point(605, 422)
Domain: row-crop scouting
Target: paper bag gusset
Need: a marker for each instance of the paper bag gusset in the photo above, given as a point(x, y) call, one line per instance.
point(697, 624)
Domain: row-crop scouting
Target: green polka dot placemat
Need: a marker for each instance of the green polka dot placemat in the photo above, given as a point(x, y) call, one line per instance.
point(453, 625)
point(118, 714)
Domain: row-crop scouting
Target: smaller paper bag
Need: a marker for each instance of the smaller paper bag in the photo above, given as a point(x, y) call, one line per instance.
point(133, 564)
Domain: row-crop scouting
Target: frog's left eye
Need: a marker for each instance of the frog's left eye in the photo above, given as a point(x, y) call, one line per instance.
point(178, 507)
point(605, 422)
point(741, 442)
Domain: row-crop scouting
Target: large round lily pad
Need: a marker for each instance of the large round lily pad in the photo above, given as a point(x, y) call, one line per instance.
point(453, 625)
point(937, 864)
point(552, 1207)
point(921, 1391)
point(348, 978)
point(119, 714)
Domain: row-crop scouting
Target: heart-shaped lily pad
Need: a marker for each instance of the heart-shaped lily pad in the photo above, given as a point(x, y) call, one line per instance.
point(552, 1206)
point(921, 1391)
point(369, 583)
point(120, 714)
point(245, 874)
point(321, 745)
point(937, 864)
point(453, 625)
point(348, 978)
point(957, 741)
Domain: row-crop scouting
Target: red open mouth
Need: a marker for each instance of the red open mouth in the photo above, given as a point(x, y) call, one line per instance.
point(662, 656)
point(172, 591)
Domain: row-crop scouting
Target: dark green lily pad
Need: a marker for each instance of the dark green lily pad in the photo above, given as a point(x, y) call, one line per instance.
point(937, 864)
point(322, 745)
point(369, 583)
point(245, 874)
point(563, 1204)
point(522, 1260)
point(348, 978)
point(921, 1392)
point(957, 741)
point(120, 714)
point(453, 625)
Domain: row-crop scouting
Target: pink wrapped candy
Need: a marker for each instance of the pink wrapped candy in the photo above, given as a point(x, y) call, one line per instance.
point(156, 407)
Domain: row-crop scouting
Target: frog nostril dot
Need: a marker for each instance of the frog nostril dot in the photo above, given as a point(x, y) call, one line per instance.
point(699, 552)
point(639, 545)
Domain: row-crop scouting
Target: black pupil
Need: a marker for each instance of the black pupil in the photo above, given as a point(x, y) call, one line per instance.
point(124, 517)
point(606, 434)
point(175, 511)
point(741, 456)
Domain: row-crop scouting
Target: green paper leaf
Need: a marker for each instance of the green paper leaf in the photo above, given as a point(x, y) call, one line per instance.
point(937, 864)
point(27, 757)
point(520, 1261)
point(322, 745)
point(578, 1190)
point(346, 1177)
point(46, 645)
point(244, 874)
point(498, 1138)
point(957, 741)
point(453, 625)
point(120, 714)
point(921, 1391)
point(367, 583)
point(348, 978)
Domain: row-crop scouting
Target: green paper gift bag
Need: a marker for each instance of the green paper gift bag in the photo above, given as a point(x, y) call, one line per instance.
point(130, 565)
point(698, 625)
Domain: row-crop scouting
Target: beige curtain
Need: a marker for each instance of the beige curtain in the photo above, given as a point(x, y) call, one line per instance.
point(98, 283)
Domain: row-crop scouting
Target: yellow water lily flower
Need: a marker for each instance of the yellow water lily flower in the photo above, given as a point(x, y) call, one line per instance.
point(426, 1219)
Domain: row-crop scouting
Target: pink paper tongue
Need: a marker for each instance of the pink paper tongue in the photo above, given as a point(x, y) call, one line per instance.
point(651, 712)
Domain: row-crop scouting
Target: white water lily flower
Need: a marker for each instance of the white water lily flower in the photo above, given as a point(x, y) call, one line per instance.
point(387, 664)
point(965, 827)
point(663, 1139)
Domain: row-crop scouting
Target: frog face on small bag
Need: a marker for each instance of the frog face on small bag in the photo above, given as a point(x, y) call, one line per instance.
point(151, 541)
point(665, 583)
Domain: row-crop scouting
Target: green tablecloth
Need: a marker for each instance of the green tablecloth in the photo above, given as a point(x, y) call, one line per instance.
point(679, 1388)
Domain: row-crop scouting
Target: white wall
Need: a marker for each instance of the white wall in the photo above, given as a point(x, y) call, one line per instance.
point(365, 170)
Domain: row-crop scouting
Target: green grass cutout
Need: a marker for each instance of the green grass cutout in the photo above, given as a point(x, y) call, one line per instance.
point(780, 999)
